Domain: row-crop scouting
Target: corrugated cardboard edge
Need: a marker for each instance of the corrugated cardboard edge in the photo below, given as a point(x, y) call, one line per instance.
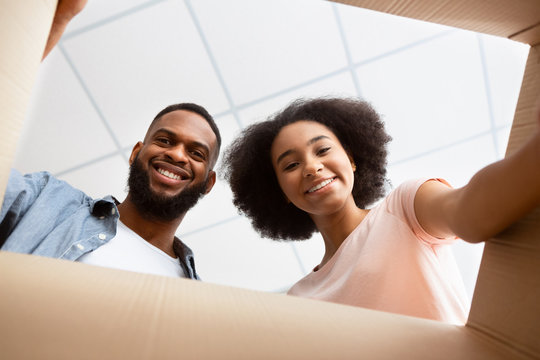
point(529, 36)
point(57, 309)
point(506, 302)
point(517, 19)
point(24, 27)
point(529, 100)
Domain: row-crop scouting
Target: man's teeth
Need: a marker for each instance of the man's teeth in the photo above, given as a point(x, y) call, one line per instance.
point(170, 175)
point(320, 185)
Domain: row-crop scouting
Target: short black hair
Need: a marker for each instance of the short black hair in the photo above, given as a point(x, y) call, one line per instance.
point(193, 108)
point(247, 164)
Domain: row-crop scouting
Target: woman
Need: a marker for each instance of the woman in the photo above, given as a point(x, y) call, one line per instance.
point(317, 166)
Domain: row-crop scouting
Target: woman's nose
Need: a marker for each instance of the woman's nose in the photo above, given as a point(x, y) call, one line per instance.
point(312, 167)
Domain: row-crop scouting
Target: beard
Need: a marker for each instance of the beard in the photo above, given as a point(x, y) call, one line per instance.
point(155, 206)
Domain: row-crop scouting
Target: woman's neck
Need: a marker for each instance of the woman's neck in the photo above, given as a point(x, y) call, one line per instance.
point(335, 228)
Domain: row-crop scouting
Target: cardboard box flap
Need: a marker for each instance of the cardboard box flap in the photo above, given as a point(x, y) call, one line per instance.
point(517, 19)
point(524, 122)
point(60, 310)
point(24, 28)
point(506, 302)
point(55, 309)
point(529, 36)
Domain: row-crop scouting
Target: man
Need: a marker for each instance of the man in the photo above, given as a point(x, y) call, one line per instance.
point(169, 171)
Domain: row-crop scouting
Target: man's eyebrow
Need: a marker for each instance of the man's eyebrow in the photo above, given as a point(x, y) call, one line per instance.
point(173, 135)
point(310, 142)
point(164, 130)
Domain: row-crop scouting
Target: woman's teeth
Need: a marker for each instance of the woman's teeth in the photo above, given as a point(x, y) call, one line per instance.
point(320, 185)
point(170, 175)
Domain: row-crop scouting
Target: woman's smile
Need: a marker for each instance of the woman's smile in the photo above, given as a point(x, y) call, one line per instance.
point(323, 184)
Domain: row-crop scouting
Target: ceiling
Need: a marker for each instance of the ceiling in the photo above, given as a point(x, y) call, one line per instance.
point(447, 97)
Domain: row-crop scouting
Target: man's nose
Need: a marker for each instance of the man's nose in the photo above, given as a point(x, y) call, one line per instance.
point(177, 153)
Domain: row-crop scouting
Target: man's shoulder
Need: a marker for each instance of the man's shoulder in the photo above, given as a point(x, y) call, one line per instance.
point(45, 186)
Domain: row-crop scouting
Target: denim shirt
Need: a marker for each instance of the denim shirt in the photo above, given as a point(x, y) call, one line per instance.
point(42, 215)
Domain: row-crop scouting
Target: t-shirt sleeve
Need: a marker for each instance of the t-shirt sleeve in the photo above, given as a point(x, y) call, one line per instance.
point(400, 203)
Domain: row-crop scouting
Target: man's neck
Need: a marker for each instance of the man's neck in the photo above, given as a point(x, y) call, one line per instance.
point(156, 232)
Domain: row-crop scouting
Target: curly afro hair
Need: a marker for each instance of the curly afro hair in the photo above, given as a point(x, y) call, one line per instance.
point(247, 164)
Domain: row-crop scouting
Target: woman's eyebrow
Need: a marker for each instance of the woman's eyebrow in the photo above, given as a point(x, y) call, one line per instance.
point(310, 142)
point(317, 138)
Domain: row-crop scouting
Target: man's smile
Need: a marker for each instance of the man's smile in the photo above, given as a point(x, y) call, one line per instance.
point(171, 172)
point(168, 174)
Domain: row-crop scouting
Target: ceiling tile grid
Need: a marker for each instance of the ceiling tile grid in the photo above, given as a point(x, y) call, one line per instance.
point(447, 97)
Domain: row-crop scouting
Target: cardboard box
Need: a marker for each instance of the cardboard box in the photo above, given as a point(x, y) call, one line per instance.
point(56, 309)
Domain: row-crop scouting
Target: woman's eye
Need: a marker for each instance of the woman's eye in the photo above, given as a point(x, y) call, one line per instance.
point(290, 166)
point(323, 150)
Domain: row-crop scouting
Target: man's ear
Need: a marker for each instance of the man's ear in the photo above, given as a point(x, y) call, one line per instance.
point(211, 181)
point(138, 146)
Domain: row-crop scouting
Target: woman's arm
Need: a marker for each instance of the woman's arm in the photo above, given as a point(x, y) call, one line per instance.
point(495, 197)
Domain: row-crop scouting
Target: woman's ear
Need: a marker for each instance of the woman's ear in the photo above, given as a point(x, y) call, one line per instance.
point(353, 165)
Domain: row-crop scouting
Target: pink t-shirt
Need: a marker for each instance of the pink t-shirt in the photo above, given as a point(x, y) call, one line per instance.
point(390, 263)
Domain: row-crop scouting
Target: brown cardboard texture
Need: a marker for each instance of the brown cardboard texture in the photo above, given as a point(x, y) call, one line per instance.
point(23, 30)
point(62, 310)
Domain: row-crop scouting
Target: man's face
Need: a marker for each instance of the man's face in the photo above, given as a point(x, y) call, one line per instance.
point(172, 168)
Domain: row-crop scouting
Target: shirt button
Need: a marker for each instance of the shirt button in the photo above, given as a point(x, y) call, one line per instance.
point(113, 211)
point(80, 247)
point(102, 236)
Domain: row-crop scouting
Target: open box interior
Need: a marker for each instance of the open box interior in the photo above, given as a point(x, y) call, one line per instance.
point(55, 309)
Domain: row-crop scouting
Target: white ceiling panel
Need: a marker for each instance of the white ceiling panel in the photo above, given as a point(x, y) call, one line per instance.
point(310, 252)
point(137, 65)
point(61, 129)
point(502, 140)
point(371, 34)
point(233, 254)
point(105, 177)
point(98, 11)
point(455, 163)
point(430, 95)
point(264, 46)
point(504, 64)
point(337, 85)
point(447, 97)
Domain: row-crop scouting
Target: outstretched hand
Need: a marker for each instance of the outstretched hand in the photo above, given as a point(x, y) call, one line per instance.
point(65, 11)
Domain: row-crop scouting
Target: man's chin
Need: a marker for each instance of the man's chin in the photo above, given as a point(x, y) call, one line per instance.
point(165, 192)
point(158, 201)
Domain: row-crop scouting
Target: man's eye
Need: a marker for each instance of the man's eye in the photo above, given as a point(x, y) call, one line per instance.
point(198, 154)
point(164, 141)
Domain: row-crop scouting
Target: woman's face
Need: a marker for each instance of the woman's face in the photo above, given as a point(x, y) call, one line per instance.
point(313, 170)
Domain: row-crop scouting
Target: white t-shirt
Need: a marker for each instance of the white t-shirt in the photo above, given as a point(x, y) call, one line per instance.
point(390, 263)
point(128, 251)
